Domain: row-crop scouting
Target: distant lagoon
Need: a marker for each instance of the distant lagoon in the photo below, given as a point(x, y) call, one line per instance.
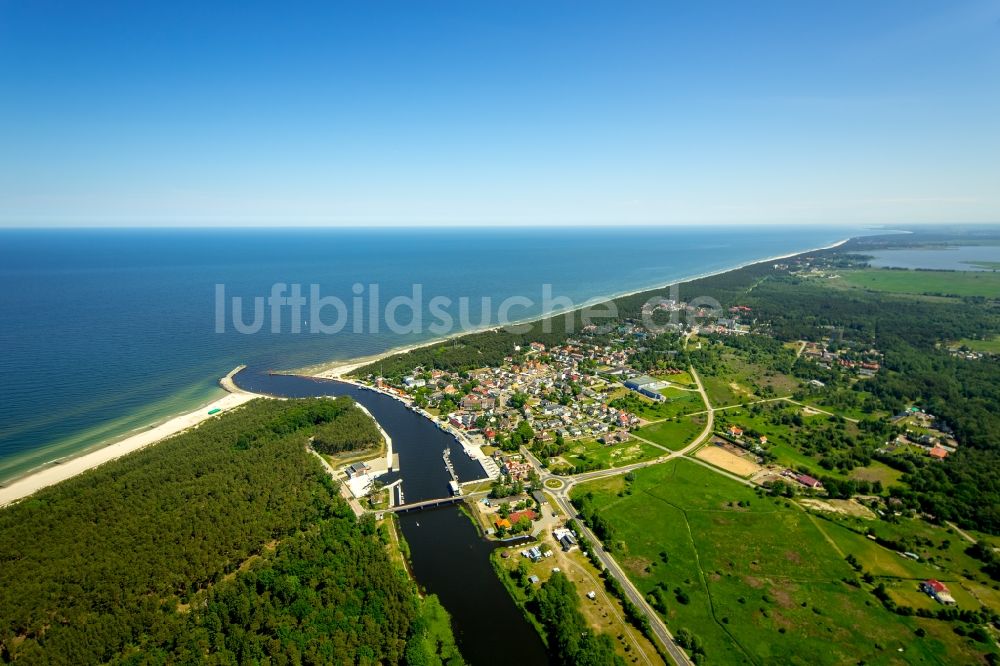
point(108, 331)
point(944, 257)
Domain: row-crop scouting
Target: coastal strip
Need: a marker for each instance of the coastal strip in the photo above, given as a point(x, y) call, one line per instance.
point(57, 472)
point(340, 368)
point(63, 469)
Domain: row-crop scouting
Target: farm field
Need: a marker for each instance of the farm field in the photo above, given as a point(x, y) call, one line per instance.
point(757, 583)
point(946, 283)
point(674, 435)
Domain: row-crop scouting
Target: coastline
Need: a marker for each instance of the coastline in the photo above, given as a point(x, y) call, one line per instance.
point(66, 468)
point(338, 369)
point(54, 473)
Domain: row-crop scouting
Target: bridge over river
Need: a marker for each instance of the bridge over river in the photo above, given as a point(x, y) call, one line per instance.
point(432, 503)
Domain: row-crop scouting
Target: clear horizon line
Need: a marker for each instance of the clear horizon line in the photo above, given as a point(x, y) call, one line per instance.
point(494, 226)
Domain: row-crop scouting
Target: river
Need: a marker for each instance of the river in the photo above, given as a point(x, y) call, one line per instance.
point(449, 557)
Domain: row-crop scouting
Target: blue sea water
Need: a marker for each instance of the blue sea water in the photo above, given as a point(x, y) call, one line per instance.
point(107, 331)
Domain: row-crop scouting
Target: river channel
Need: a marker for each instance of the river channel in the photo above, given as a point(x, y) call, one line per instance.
point(448, 556)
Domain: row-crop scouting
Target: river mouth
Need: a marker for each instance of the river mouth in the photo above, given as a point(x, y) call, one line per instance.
point(449, 558)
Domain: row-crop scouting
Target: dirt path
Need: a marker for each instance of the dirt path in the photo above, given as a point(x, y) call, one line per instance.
point(965, 535)
point(833, 544)
point(566, 562)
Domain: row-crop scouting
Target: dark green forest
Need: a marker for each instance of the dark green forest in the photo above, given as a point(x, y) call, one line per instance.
point(352, 430)
point(224, 544)
point(570, 640)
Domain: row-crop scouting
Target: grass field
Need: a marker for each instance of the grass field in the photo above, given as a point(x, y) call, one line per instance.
point(737, 380)
point(877, 471)
point(674, 435)
point(938, 546)
point(991, 346)
point(724, 391)
point(938, 283)
point(876, 559)
point(855, 413)
point(678, 403)
point(782, 440)
point(763, 582)
point(758, 377)
point(585, 451)
point(680, 378)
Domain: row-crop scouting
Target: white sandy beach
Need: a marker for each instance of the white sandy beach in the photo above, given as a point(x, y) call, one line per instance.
point(339, 369)
point(55, 473)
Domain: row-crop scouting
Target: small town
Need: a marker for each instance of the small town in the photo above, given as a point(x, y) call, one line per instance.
point(787, 420)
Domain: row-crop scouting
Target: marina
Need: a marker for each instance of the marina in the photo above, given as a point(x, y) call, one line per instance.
point(449, 557)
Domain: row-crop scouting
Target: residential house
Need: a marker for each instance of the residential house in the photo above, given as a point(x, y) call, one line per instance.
point(516, 516)
point(938, 591)
point(938, 452)
point(808, 481)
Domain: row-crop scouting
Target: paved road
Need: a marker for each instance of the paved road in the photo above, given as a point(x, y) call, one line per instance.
point(561, 497)
point(676, 653)
point(441, 501)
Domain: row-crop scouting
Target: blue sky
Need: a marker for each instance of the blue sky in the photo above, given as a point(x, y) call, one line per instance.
point(498, 112)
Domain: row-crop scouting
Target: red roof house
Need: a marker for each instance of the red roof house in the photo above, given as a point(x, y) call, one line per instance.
point(808, 481)
point(938, 590)
point(518, 515)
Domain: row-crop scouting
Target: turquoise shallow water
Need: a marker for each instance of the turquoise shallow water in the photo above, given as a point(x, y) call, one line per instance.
point(106, 331)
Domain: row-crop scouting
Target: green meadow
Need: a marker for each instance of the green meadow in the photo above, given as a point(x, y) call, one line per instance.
point(673, 434)
point(991, 346)
point(782, 439)
point(764, 582)
point(934, 283)
point(678, 403)
point(585, 452)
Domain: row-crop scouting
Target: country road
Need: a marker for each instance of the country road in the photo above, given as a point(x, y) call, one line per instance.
point(561, 496)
